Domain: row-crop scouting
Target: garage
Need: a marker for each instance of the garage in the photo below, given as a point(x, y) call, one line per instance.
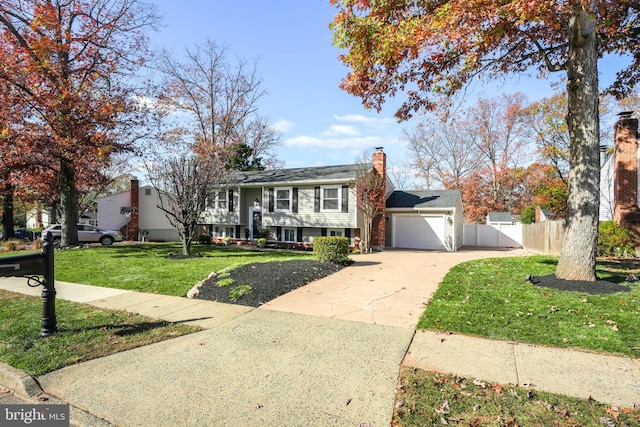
point(426, 220)
point(418, 231)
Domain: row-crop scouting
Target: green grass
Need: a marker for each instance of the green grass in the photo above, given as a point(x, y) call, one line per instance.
point(429, 399)
point(239, 291)
point(490, 298)
point(146, 267)
point(84, 332)
point(228, 281)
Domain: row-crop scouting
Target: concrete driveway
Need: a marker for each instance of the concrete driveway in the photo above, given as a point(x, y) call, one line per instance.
point(386, 288)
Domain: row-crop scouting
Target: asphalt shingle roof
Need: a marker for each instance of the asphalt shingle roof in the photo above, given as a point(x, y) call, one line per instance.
point(500, 217)
point(319, 174)
point(434, 199)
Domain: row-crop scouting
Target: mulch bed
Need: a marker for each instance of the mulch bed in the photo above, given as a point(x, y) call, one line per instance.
point(594, 288)
point(268, 280)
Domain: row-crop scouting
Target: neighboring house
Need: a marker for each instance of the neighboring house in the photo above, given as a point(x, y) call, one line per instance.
point(42, 219)
point(425, 220)
point(502, 218)
point(135, 214)
point(293, 205)
point(619, 176)
point(38, 218)
point(543, 215)
point(90, 218)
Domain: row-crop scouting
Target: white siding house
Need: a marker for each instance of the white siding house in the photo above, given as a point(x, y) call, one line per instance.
point(152, 224)
point(293, 205)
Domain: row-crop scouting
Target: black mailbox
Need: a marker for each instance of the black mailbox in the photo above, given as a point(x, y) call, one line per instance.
point(22, 265)
point(33, 266)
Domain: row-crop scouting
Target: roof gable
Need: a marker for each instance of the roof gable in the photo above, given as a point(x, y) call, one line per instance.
point(427, 199)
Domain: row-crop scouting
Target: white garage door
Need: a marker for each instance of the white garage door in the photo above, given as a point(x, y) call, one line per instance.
point(418, 232)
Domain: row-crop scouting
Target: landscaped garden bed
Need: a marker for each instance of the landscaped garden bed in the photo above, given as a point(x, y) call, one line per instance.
point(259, 283)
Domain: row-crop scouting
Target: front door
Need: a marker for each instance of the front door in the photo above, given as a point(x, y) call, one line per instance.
point(255, 222)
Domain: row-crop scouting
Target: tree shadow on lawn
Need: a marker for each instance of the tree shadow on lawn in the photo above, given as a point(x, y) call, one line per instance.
point(125, 329)
point(594, 288)
point(163, 250)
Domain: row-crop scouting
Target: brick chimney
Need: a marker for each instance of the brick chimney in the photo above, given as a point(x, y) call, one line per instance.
point(379, 226)
point(625, 174)
point(130, 230)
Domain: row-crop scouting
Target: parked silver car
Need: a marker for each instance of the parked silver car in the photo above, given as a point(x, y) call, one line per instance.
point(86, 234)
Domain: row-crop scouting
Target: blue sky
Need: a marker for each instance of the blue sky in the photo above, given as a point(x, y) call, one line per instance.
point(290, 39)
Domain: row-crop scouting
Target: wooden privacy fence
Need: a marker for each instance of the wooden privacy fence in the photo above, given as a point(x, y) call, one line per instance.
point(543, 238)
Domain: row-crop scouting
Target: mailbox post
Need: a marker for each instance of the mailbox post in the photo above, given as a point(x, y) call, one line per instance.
point(32, 266)
point(49, 322)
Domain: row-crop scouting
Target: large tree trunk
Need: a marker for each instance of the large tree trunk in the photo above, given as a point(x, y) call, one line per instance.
point(578, 255)
point(7, 211)
point(69, 203)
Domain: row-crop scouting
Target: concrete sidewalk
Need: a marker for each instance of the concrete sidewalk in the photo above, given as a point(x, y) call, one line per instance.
point(326, 354)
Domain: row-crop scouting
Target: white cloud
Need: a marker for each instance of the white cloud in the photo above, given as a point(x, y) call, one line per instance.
point(373, 122)
point(282, 125)
point(337, 130)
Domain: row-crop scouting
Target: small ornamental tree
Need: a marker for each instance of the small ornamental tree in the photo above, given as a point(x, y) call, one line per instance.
point(370, 188)
point(182, 182)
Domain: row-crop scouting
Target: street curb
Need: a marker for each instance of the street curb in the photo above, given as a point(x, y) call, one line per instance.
point(27, 388)
point(22, 384)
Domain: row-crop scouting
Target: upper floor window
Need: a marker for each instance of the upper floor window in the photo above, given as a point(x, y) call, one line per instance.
point(283, 199)
point(221, 200)
point(218, 199)
point(331, 200)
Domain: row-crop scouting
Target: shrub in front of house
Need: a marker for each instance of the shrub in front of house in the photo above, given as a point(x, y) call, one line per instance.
point(614, 240)
point(331, 249)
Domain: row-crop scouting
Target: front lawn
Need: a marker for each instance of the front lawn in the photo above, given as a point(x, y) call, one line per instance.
point(490, 298)
point(433, 399)
point(84, 333)
point(149, 268)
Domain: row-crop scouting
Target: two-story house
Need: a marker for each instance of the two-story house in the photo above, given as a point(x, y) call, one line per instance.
point(293, 205)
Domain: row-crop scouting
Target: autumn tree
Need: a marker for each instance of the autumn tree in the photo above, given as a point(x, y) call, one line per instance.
point(441, 152)
point(430, 50)
point(72, 63)
point(402, 174)
point(547, 120)
point(481, 151)
point(218, 100)
point(547, 188)
point(370, 188)
point(10, 158)
point(259, 135)
point(496, 127)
